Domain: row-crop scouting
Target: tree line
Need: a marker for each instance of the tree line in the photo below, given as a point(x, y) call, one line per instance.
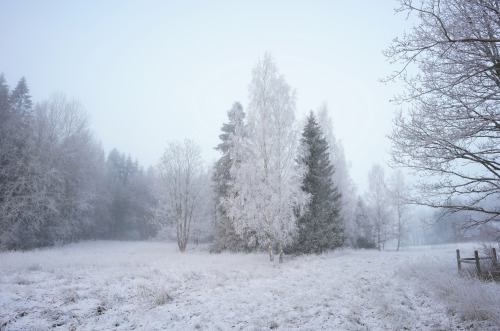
point(56, 185)
point(280, 185)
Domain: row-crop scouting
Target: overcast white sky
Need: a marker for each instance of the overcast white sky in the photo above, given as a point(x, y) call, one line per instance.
point(152, 71)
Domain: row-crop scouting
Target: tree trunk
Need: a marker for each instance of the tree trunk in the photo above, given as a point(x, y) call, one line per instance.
point(378, 238)
point(399, 234)
point(281, 251)
point(269, 245)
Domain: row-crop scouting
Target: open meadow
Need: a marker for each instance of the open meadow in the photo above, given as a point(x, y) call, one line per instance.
point(108, 285)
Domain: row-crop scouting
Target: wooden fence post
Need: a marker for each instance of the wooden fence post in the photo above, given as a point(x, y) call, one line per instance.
point(458, 261)
point(478, 267)
point(494, 257)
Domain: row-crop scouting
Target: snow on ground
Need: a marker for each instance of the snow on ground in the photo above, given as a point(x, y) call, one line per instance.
point(152, 286)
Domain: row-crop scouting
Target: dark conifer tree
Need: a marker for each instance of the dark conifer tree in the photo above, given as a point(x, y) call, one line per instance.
point(16, 155)
point(321, 227)
point(4, 118)
point(5, 150)
point(20, 100)
point(4, 100)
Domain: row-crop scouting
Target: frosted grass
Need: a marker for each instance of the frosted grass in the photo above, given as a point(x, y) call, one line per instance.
point(151, 285)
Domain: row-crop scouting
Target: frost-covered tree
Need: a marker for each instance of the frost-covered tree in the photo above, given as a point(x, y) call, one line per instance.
point(20, 98)
point(225, 236)
point(53, 179)
point(141, 200)
point(321, 227)
point(4, 102)
point(4, 150)
point(49, 190)
point(130, 197)
point(265, 193)
point(182, 181)
point(341, 176)
point(449, 134)
point(399, 195)
point(378, 202)
point(117, 179)
point(202, 227)
point(364, 235)
point(18, 224)
point(65, 150)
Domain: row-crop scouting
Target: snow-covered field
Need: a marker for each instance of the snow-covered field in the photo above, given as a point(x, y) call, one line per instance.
point(152, 286)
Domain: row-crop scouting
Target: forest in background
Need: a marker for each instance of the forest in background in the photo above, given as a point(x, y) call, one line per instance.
point(281, 184)
point(56, 184)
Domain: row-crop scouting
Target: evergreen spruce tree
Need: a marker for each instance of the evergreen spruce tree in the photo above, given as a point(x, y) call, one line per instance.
point(225, 235)
point(20, 100)
point(5, 149)
point(4, 122)
point(321, 227)
point(4, 101)
point(18, 177)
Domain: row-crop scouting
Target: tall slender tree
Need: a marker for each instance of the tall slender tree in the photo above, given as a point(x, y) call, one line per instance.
point(4, 146)
point(378, 200)
point(16, 158)
point(341, 177)
point(20, 99)
point(4, 101)
point(399, 195)
point(321, 227)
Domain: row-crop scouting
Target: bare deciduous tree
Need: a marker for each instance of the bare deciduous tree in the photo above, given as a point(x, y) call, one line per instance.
point(399, 196)
point(378, 200)
point(450, 134)
point(182, 180)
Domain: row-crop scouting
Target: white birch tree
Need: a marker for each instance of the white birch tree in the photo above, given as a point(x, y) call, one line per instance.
point(266, 194)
